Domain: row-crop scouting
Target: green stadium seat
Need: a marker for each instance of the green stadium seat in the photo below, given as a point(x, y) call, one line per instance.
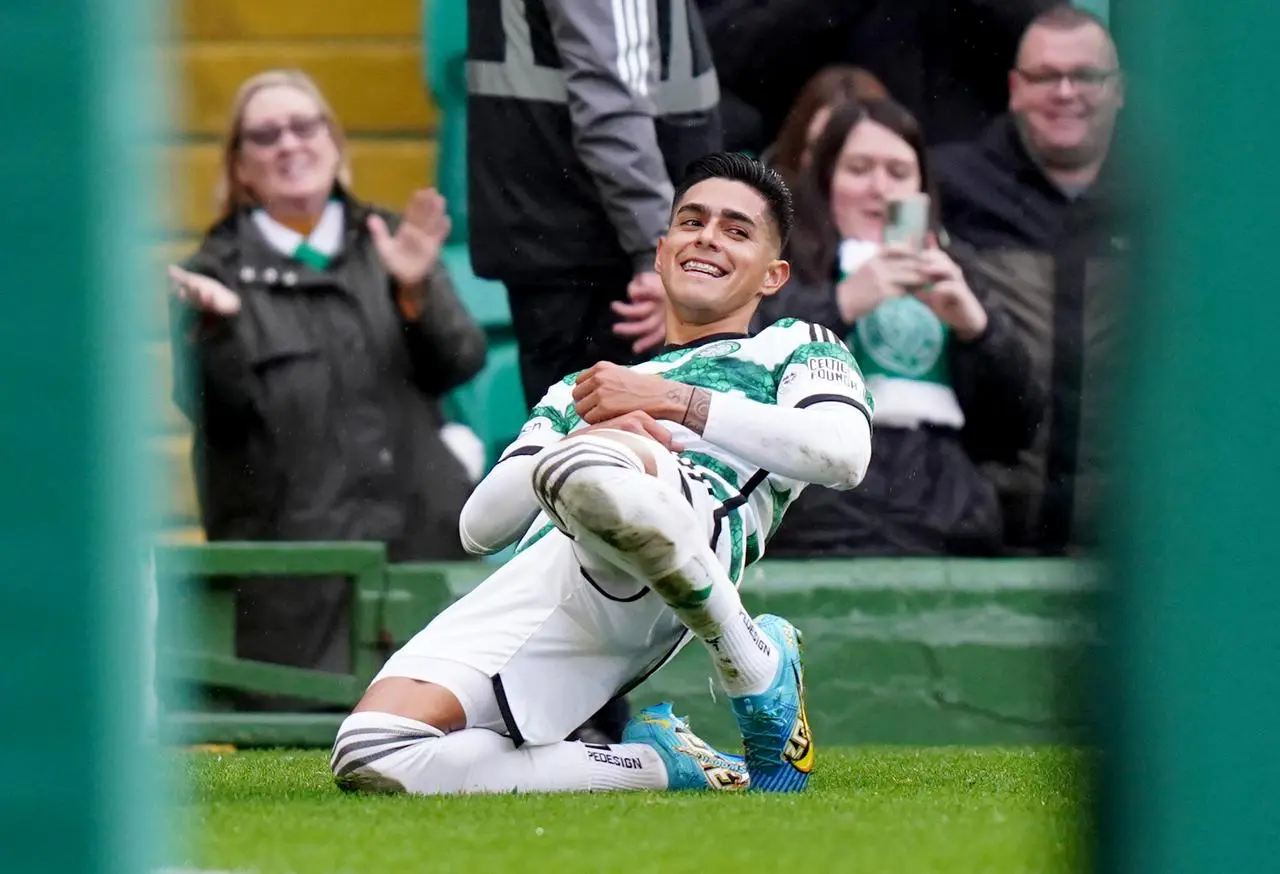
point(485, 299)
point(444, 52)
point(492, 404)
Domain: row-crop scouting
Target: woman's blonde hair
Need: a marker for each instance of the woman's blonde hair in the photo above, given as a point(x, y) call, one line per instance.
point(230, 194)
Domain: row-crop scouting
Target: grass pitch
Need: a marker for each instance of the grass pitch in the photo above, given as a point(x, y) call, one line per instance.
point(994, 811)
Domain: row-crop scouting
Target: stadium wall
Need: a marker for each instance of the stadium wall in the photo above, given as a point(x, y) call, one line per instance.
point(928, 652)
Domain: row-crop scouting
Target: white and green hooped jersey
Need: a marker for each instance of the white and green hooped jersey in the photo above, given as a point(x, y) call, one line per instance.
point(789, 364)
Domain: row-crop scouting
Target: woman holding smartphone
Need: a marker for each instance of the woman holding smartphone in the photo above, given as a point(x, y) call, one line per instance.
point(951, 380)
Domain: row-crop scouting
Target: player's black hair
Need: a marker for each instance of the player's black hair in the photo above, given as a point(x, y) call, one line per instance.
point(737, 167)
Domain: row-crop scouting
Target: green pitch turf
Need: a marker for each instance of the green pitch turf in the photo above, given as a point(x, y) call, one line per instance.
point(994, 811)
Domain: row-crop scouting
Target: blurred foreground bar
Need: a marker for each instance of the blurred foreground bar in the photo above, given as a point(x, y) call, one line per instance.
point(1191, 696)
point(76, 790)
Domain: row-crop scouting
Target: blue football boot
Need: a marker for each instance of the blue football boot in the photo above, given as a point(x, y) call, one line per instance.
point(691, 762)
point(774, 725)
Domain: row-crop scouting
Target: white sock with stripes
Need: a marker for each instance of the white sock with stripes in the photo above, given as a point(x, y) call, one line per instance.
point(382, 752)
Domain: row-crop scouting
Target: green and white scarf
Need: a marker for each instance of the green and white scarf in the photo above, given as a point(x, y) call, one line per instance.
point(902, 349)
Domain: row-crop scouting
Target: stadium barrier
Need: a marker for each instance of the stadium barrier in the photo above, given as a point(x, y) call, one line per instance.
point(911, 651)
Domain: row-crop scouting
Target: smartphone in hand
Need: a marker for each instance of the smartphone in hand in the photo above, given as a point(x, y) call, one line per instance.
point(908, 221)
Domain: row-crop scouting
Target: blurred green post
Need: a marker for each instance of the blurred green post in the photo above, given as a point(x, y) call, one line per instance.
point(444, 52)
point(1100, 8)
point(1191, 705)
point(78, 787)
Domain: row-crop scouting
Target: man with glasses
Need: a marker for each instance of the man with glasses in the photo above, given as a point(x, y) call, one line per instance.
point(1064, 96)
point(1034, 198)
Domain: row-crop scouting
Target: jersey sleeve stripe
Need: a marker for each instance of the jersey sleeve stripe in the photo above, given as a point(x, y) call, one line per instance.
point(834, 399)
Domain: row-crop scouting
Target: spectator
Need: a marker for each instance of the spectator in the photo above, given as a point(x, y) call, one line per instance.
point(790, 152)
point(948, 374)
point(580, 112)
point(946, 62)
point(1035, 197)
point(313, 336)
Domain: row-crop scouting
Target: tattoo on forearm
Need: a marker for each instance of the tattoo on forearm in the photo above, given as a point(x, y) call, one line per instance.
point(695, 414)
point(679, 396)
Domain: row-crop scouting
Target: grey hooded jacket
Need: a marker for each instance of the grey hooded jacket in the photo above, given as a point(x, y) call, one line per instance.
point(580, 114)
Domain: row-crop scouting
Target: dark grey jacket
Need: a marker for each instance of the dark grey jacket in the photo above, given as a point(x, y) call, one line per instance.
point(1057, 266)
point(580, 114)
point(316, 408)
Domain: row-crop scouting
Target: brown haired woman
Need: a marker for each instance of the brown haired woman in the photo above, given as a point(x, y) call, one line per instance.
point(951, 380)
point(828, 88)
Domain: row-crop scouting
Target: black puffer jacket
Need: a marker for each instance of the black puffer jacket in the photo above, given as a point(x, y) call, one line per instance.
point(1059, 265)
point(316, 408)
point(924, 493)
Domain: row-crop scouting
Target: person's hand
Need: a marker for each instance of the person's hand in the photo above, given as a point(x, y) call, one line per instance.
point(891, 272)
point(202, 293)
point(606, 391)
point(949, 296)
point(412, 253)
point(637, 422)
point(644, 313)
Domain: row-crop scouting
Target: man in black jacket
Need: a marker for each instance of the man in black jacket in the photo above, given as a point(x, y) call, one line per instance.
point(1035, 198)
point(579, 113)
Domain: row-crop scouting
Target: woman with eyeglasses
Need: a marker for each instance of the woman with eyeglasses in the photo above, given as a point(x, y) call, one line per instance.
point(314, 335)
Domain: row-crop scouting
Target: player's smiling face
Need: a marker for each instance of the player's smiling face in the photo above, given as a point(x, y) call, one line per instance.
point(720, 254)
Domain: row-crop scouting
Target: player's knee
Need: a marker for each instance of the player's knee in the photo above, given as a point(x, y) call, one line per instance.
point(582, 473)
point(590, 486)
point(377, 753)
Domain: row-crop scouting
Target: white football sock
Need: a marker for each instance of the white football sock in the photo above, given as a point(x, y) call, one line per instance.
point(602, 497)
point(387, 753)
point(704, 598)
point(624, 766)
